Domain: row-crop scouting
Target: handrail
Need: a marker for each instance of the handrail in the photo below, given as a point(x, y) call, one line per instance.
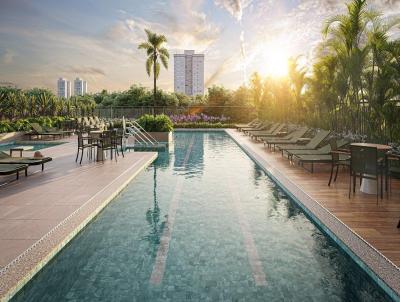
point(136, 130)
point(141, 128)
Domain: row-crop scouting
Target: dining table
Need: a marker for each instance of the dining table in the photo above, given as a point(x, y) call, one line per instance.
point(368, 186)
point(96, 137)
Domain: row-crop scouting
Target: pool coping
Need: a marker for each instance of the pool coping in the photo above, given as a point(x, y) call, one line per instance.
point(21, 270)
point(383, 271)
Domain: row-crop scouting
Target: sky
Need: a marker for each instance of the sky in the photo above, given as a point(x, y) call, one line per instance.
point(97, 40)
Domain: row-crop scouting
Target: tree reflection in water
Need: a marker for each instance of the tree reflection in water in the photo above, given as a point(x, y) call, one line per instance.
point(153, 217)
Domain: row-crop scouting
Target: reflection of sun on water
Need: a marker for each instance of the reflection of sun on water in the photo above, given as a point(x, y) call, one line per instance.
point(274, 60)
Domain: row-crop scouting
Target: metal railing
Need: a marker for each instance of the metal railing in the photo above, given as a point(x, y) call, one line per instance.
point(137, 131)
point(233, 112)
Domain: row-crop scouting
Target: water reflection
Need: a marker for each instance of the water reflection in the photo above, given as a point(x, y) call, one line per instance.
point(195, 162)
point(153, 216)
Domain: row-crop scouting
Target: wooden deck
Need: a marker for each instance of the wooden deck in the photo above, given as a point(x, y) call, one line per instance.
point(375, 223)
point(40, 213)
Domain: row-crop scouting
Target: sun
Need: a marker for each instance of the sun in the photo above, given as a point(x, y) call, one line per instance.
point(274, 61)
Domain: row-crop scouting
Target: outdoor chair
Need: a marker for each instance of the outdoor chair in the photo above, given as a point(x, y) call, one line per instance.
point(273, 132)
point(8, 169)
point(108, 141)
point(84, 142)
point(291, 138)
point(119, 141)
point(259, 127)
point(324, 150)
point(336, 159)
point(364, 163)
point(38, 131)
point(392, 169)
point(314, 142)
point(30, 161)
point(250, 124)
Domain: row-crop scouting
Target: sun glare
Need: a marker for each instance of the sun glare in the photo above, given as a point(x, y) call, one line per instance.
point(274, 61)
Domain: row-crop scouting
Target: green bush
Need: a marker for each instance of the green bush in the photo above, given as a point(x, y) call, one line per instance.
point(204, 125)
point(158, 123)
point(25, 124)
point(5, 126)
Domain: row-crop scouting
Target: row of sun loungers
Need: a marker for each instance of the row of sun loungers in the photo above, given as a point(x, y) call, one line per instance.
point(298, 143)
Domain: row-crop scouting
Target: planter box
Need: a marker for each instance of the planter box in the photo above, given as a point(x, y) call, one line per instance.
point(162, 137)
point(11, 136)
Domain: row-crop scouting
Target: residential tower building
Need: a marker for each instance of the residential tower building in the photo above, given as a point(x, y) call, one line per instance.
point(189, 73)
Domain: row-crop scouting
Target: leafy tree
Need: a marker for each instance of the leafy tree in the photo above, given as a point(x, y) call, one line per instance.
point(155, 51)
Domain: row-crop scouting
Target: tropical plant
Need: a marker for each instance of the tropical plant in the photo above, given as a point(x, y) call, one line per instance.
point(156, 123)
point(155, 51)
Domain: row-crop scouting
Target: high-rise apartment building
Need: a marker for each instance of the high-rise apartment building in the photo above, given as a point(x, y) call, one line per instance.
point(80, 87)
point(189, 73)
point(63, 88)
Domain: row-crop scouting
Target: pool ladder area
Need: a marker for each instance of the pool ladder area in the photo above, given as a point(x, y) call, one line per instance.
point(143, 141)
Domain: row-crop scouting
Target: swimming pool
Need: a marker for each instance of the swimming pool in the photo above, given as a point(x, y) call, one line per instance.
point(35, 145)
point(202, 223)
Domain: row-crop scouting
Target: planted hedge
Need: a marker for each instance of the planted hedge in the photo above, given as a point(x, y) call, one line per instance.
point(25, 124)
point(158, 123)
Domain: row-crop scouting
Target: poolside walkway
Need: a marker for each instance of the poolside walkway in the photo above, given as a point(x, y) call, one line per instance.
point(367, 228)
point(39, 214)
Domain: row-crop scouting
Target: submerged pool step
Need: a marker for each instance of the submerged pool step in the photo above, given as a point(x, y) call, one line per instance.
point(147, 146)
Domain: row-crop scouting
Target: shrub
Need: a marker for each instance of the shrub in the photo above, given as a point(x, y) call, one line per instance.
point(5, 126)
point(25, 124)
point(158, 123)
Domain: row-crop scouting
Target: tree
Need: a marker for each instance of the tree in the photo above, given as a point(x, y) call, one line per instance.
point(155, 51)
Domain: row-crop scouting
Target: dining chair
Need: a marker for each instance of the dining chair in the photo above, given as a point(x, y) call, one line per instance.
point(364, 163)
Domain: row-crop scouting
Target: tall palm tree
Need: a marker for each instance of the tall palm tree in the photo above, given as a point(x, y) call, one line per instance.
point(155, 50)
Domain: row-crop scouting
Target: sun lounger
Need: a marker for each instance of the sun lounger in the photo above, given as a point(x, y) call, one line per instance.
point(8, 169)
point(38, 131)
point(268, 133)
point(318, 159)
point(250, 124)
point(262, 126)
point(326, 149)
point(291, 138)
point(312, 144)
point(30, 161)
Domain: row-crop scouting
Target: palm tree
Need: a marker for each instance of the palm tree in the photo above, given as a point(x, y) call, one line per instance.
point(155, 50)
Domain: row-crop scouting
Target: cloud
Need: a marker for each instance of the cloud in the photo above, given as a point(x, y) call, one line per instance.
point(94, 71)
point(186, 27)
point(8, 57)
point(234, 7)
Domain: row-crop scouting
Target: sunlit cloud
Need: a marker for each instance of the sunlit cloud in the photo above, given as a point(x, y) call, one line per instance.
point(237, 37)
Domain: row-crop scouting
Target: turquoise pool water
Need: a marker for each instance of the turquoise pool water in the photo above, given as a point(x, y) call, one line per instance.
point(203, 223)
point(35, 146)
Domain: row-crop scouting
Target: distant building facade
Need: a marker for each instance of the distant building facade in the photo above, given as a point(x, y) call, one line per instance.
point(80, 87)
point(63, 88)
point(189, 73)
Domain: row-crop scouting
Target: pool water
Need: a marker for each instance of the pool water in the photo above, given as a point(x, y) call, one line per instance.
point(203, 223)
point(35, 146)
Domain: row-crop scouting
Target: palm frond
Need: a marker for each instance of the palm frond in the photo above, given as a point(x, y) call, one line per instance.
point(164, 61)
point(145, 45)
point(149, 65)
point(164, 52)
